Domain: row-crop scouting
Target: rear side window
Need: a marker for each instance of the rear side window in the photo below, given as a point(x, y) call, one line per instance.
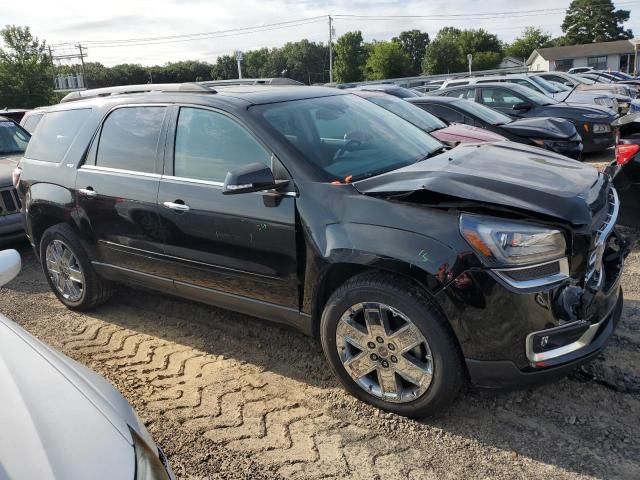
point(32, 122)
point(210, 144)
point(499, 97)
point(55, 134)
point(468, 93)
point(130, 139)
point(447, 114)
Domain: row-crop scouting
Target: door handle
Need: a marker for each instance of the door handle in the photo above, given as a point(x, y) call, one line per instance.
point(88, 192)
point(179, 207)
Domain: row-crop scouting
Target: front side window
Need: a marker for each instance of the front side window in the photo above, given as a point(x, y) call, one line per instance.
point(13, 139)
point(130, 139)
point(210, 144)
point(347, 137)
point(55, 134)
point(500, 98)
point(468, 93)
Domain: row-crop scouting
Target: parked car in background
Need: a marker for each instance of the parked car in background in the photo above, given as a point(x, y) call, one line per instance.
point(450, 134)
point(13, 142)
point(540, 85)
point(60, 419)
point(31, 119)
point(394, 90)
point(592, 122)
point(555, 134)
point(316, 208)
point(625, 169)
point(579, 70)
point(14, 114)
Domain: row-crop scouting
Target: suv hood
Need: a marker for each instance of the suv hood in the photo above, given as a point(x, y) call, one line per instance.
point(542, 127)
point(506, 174)
point(65, 420)
point(7, 164)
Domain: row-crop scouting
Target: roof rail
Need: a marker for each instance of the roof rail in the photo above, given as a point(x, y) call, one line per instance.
point(251, 81)
point(188, 87)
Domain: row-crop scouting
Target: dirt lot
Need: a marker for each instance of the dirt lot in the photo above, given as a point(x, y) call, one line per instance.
point(227, 396)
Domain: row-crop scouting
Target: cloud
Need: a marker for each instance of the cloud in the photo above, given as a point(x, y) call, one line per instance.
point(93, 20)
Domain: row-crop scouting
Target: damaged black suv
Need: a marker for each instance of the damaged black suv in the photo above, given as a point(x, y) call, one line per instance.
point(417, 267)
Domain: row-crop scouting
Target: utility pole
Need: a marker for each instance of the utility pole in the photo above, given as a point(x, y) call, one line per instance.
point(84, 74)
point(330, 49)
point(239, 59)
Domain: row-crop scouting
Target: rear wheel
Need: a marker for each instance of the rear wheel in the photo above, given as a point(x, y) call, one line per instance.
point(390, 346)
point(69, 271)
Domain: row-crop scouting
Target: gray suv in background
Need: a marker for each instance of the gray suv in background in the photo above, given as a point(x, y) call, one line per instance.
point(13, 142)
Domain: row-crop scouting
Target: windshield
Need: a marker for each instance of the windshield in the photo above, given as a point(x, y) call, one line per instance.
point(532, 95)
point(410, 113)
point(13, 139)
point(545, 85)
point(347, 138)
point(483, 112)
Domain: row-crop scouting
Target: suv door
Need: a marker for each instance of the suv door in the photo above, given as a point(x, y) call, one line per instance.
point(223, 247)
point(503, 100)
point(117, 190)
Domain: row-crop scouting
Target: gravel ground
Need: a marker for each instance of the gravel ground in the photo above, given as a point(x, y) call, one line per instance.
point(227, 396)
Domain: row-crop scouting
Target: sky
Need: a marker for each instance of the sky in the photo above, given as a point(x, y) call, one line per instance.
point(92, 21)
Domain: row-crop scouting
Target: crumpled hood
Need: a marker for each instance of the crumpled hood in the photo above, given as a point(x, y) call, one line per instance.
point(506, 174)
point(59, 419)
point(457, 132)
point(542, 127)
point(7, 164)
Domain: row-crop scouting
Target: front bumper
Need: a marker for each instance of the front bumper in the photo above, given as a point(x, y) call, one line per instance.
point(505, 373)
point(595, 142)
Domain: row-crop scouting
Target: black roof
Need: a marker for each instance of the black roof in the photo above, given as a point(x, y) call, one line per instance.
point(433, 98)
point(238, 95)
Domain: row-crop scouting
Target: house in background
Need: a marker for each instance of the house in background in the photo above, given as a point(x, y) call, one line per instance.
point(511, 62)
point(618, 55)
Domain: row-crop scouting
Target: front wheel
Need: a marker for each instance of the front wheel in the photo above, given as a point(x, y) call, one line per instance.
point(390, 346)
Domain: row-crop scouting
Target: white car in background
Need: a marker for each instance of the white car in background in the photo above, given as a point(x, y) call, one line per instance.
point(540, 85)
point(59, 420)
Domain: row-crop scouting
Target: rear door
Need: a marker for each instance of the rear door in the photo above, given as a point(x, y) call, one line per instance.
point(503, 100)
point(117, 190)
point(224, 246)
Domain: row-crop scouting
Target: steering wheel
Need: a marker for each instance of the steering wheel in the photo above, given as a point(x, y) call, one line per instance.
point(347, 147)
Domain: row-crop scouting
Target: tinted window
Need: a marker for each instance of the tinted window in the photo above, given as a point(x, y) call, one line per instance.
point(347, 137)
point(409, 112)
point(499, 97)
point(209, 144)
point(13, 139)
point(469, 93)
point(129, 139)
point(447, 114)
point(483, 112)
point(56, 132)
point(32, 122)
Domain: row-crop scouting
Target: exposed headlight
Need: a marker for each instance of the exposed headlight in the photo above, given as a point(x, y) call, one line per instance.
point(148, 464)
point(595, 115)
point(601, 128)
point(605, 102)
point(504, 243)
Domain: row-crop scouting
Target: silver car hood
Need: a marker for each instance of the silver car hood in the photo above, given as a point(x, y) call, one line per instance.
point(58, 418)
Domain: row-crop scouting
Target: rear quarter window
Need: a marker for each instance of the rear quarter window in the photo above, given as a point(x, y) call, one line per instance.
point(32, 122)
point(55, 134)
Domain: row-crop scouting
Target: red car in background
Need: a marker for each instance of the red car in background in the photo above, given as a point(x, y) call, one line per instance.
point(448, 134)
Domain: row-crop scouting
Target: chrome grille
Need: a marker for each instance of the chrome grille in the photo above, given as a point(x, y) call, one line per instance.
point(602, 235)
point(9, 201)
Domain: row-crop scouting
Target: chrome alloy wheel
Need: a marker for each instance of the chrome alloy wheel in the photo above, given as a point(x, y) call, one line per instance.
point(64, 270)
point(384, 352)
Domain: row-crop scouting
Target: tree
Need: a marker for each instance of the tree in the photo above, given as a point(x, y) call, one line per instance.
point(447, 53)
point(414, 43)
point(350, 57)
point(226, 68)
point(387, 60)
point(532, 38)
point(25, 69)
point(588, 21)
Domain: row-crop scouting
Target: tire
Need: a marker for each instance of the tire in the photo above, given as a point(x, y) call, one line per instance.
point(397, 300)
point(86, 294)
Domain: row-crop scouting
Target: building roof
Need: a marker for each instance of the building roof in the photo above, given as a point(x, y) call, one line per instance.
point(585, 50)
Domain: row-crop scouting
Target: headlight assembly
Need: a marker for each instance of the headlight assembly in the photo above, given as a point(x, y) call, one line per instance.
point(601, 128)
point(148, 464)
point(501, 243)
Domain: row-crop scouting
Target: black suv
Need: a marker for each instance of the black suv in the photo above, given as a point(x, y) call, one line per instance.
point(416, 266)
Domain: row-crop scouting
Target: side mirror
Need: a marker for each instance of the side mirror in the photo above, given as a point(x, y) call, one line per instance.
point(10, 265)
point(522, 106)
point(255, 177)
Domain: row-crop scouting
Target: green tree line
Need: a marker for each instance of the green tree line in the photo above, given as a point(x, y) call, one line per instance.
point(26, 71)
